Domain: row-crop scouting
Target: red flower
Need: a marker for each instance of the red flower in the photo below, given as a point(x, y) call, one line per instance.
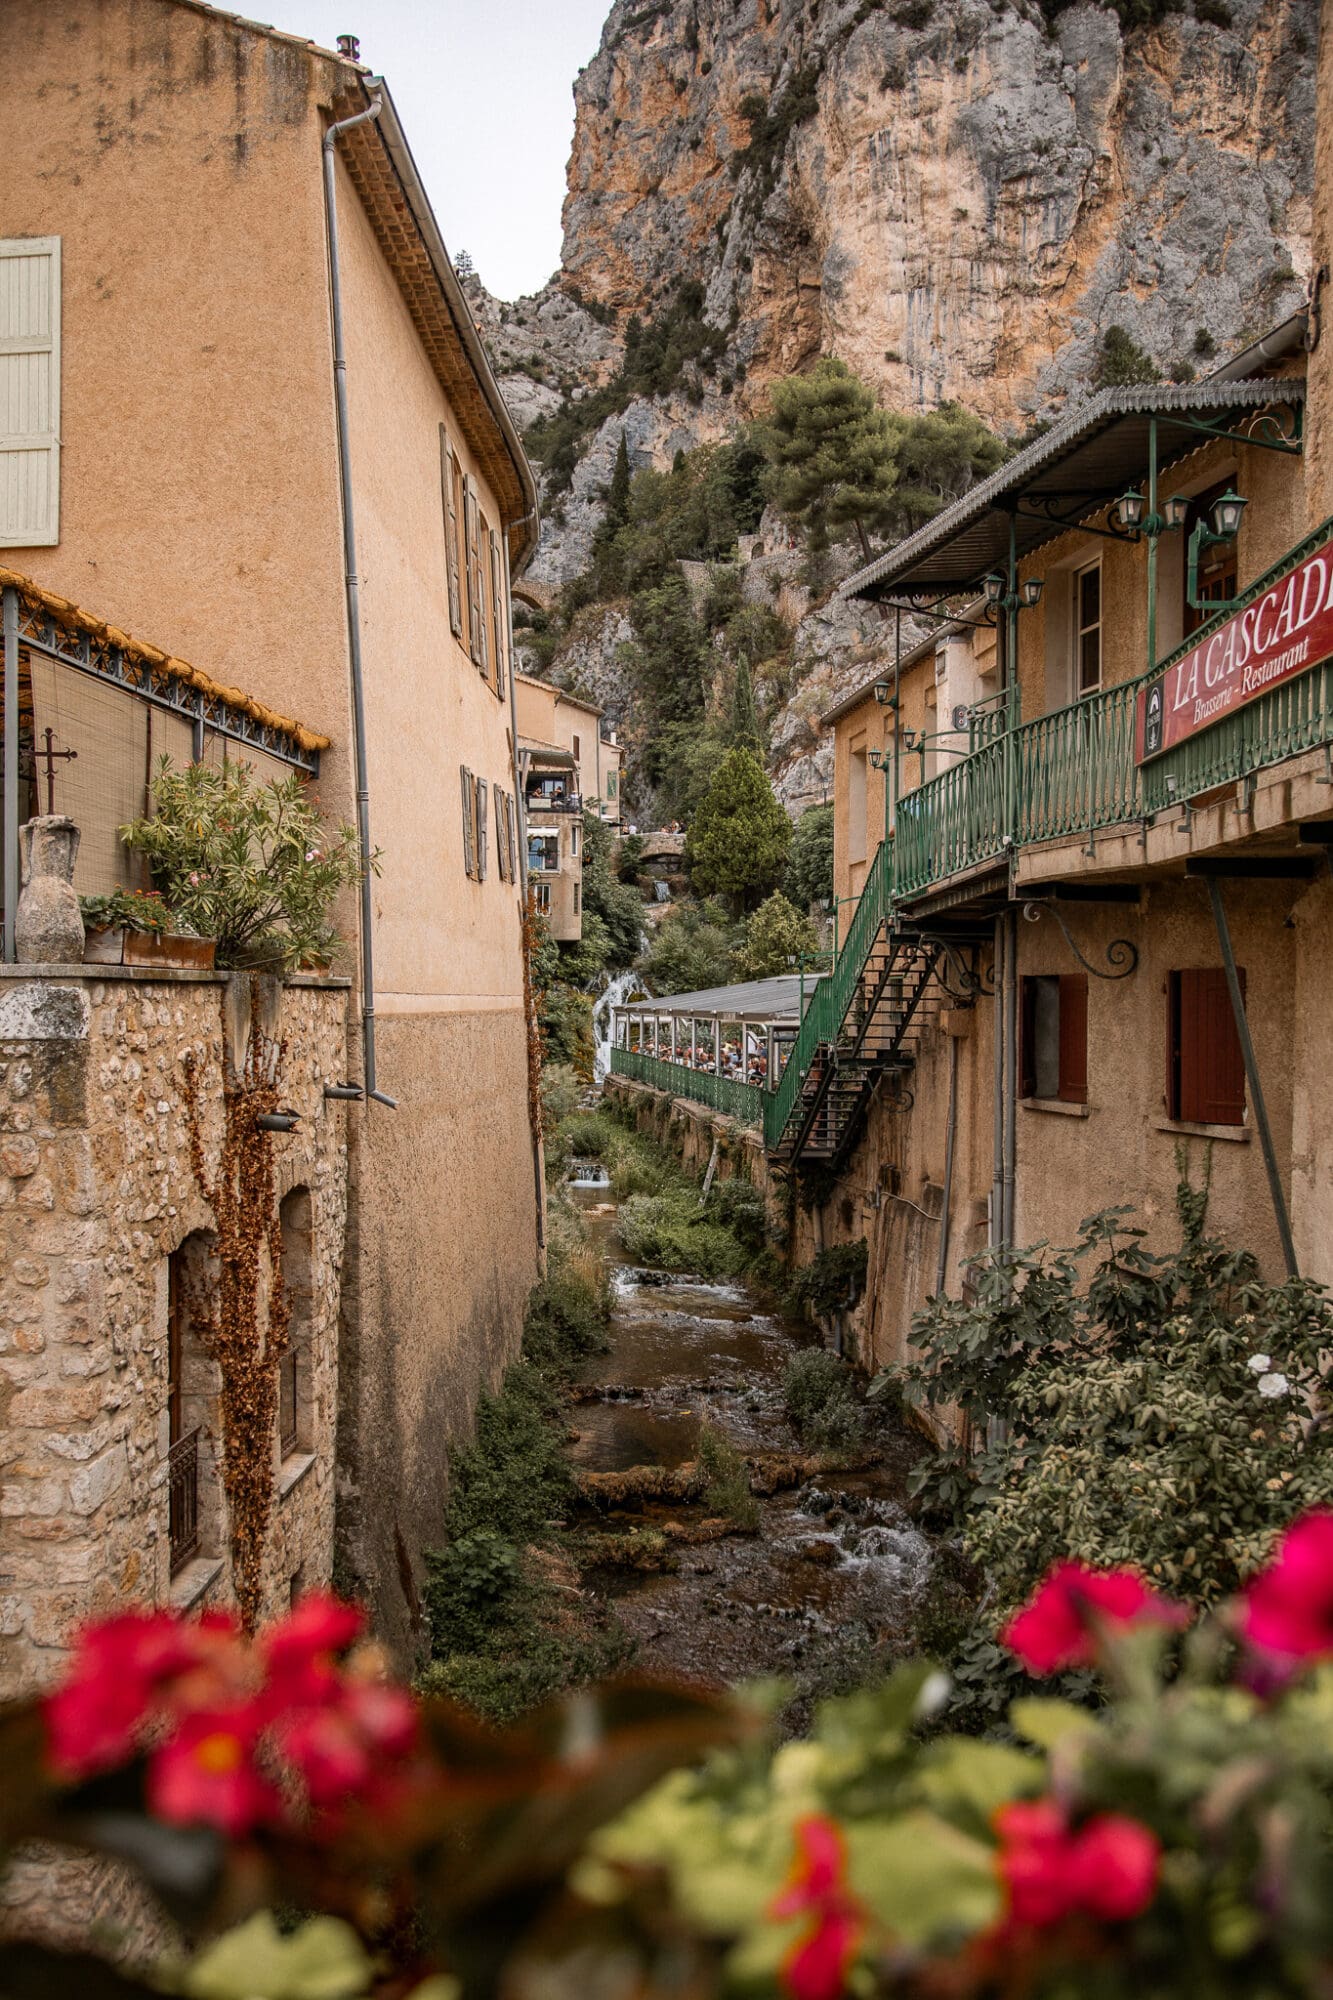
point(121, 1671)
point(1287, 1613)
point(816, 1967)
point(1061, 1625)
point(205, 1775)
point(1105, 1869)
point(300, 1651)
point(348, 1750)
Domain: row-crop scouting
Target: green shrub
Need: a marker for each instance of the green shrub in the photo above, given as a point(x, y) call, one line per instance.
point(512, 1475)
point(672, 1233)
point(561, 1090)
point(728, 1488)
point(1141, 1426)
point(819, 1394)
point(833, 1280)
point(566, 1320)
point(467, 1583)
point(584, 1135)
point(741, 1207)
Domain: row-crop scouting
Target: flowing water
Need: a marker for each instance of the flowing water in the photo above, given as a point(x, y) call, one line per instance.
point(616, 992)
point(835, 1566)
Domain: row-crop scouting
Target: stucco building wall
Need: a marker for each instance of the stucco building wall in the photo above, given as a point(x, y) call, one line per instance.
point(177, 154)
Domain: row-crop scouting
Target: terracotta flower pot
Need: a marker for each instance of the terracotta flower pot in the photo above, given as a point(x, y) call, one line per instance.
point(169, 953)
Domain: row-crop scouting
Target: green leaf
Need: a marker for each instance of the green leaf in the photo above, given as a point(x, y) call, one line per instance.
point(1047, 1722)
point(924, 1879)
point(323, 1960)
point(971, 1778)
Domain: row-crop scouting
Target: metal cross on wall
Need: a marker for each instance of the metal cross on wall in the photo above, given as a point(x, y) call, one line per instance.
point(50, 757)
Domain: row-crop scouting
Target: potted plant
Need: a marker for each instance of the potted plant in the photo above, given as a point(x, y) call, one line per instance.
point(135, 927)
point(247, 862)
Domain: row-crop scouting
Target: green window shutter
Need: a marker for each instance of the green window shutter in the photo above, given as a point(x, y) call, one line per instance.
point(448, 478)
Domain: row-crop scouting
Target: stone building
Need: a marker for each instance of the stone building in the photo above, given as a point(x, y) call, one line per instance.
point(177, 217)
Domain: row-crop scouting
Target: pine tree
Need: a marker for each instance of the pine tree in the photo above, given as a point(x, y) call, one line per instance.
point(809, 877)
point(776, 935)
point(744, 731)
point(738, 841)
point(617, 493)
point(833, 454)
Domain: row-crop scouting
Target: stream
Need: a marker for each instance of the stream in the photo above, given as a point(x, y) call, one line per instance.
point(836, 1569)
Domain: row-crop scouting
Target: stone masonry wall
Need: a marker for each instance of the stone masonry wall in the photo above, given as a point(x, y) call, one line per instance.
point(96, 1193)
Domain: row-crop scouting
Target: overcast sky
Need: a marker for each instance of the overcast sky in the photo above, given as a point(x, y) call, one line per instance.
point(484, 90)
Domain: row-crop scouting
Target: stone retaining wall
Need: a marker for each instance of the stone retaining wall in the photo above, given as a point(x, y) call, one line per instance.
point(96, 1193)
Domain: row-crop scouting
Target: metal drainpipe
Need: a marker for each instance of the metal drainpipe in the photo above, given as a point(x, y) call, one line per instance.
point(331, 138)
point(1010, 1073)
point(941, 1267)
point(997, 1128)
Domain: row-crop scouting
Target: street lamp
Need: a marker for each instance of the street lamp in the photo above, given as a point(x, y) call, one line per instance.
point(1225, 514)
point(1029, 592)
point(884, 695)
point(1130, 509)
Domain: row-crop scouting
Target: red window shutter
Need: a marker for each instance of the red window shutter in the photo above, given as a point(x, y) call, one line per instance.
point(1209, 1066)
point(1074, 1038)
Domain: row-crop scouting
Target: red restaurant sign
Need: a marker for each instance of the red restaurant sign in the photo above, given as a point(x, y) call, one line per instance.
point(1280, 635)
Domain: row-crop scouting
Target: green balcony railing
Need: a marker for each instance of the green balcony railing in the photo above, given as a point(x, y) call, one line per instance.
point(1070, 772)
point(742, 1101)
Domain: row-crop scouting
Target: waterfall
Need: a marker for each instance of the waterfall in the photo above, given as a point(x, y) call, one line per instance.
point(617, 991)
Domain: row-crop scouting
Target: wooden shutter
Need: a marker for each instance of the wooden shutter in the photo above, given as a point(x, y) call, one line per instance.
point(1073, 1038)
point(500, 834)
point(1208, 1069)
point(448, 476)
point(30, 392)
point(476, 596)
point(498, 611)
point(481, 829)
point(469, 826)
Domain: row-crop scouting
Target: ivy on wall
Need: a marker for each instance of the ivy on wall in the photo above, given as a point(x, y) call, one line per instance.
point(242, 1318)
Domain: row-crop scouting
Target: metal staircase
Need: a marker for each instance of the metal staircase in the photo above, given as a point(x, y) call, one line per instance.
point(864, 1024)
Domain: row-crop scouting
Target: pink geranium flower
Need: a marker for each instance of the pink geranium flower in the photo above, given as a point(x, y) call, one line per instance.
point(1061, 1626)
point(1106, 1869)
point(817, 1965)
point(1287, 1611)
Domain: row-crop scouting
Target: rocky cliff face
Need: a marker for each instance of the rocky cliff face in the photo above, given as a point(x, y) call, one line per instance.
point(956, 197)
point(952, 195)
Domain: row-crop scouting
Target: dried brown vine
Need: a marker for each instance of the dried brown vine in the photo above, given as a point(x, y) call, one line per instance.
point(243, 1321)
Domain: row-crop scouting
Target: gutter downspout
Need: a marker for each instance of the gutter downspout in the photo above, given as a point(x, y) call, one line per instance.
point(331, 138)
point(519, 765)
point(951, 1131)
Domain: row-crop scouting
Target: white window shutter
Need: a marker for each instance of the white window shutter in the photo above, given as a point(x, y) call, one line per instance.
point(29, 392)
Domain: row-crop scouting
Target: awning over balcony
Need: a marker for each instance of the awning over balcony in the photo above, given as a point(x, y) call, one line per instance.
point(1087, 459)
point(774, 1002)
point(546, 756)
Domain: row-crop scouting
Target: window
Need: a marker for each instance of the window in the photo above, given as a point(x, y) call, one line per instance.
point(576, 899)
point(295, 1219)
point(542, 896)
point(449, 496)
point(574, 842)
point(856, 807)
point(194, 1519)
point(1205, 1082)
point(576, 749)
point(610, 784)
point(30, 392)
point(543, 854)
point(1088, 629)
point(1054, 1041)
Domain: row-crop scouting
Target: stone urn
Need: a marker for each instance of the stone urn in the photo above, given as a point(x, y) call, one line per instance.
point(48, 929)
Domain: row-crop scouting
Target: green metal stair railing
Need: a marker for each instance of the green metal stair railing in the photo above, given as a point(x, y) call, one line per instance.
point(742, 1101)
point(833, 994)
